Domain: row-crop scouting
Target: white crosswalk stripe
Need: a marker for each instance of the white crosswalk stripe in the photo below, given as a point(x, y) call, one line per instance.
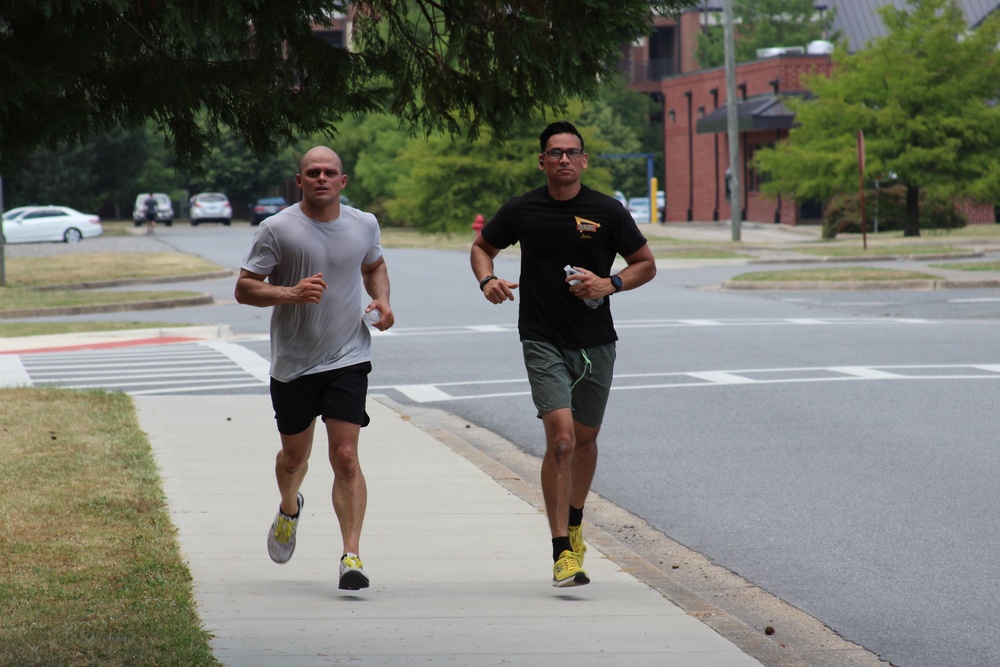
point(180, 368)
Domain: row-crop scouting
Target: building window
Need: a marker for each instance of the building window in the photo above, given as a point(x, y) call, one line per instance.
point(662, 47)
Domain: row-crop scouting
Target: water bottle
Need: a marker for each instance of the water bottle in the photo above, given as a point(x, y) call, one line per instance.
point(591, 303)
point(372, 316)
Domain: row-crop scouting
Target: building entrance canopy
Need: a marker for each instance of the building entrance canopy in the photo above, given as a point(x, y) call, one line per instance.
point(761, 112)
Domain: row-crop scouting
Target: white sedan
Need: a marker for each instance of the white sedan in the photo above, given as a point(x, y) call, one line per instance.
point(28, 224)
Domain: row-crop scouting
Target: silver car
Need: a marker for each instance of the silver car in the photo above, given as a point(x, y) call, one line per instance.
point(211, 207)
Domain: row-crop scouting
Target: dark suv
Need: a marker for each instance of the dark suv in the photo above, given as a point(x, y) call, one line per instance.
point(265, 208)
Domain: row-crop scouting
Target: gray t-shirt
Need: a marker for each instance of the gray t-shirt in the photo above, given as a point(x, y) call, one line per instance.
point(316, 337)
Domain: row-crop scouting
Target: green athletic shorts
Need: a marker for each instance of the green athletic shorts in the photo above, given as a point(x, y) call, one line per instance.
point(570, 378)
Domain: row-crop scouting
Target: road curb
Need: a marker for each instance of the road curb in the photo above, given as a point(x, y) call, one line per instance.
point(116, 338)
point(123, 282)
point(155, 304)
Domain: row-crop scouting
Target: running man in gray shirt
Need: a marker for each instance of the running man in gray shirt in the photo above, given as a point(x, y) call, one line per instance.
point(312, 262)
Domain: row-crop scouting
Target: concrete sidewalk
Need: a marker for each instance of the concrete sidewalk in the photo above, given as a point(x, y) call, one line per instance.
point(459, 565)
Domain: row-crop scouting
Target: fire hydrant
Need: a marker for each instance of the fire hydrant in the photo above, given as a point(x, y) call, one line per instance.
point(477, 224)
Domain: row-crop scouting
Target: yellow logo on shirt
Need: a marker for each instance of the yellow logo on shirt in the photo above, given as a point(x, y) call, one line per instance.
point(585, 226)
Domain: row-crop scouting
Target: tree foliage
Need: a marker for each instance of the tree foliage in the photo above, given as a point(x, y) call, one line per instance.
point(925, 98)
point(232, 169)
point(447, 184)
point(86, 177)
point(435, 184)
point(764, 24)
point(622, 118)
point(72, 69)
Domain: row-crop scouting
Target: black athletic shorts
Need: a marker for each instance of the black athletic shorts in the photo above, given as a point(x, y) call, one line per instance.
point(338, 394)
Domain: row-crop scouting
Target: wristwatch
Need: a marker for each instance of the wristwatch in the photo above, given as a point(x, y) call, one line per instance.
point(616, 282)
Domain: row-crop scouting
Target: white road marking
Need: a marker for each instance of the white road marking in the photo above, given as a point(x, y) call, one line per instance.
point(466, 391)
point(721, 377)
point(12, 373)
point(866, 373)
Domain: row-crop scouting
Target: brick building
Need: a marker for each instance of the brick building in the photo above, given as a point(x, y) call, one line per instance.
point(693, 112)
point(696, 147)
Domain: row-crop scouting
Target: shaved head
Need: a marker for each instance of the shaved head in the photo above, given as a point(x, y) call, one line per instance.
point(320, 154)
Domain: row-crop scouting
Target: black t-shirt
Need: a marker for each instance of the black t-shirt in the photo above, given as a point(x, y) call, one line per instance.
point(587, 231)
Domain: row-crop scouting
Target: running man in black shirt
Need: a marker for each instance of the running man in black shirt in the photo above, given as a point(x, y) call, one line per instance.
point(568, 345)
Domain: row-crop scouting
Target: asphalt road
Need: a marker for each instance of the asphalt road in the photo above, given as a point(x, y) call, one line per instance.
point(836, 450)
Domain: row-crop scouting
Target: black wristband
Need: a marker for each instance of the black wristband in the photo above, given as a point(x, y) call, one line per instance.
point(482, 283)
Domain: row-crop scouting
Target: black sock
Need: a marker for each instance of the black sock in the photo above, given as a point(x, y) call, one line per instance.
point(559, 545)
point(575, 516)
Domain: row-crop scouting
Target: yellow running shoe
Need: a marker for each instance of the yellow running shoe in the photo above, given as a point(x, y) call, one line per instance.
point(576, 542)
point(281, 537)
point(567, 571)
point(352, 573)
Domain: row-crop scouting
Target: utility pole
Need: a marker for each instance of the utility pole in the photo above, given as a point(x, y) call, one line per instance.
point(732, 120)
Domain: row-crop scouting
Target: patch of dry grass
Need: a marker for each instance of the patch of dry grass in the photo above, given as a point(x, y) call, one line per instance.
point(969, 266)
point(845, 274)
point(873, 250)
point(15, 299)
point(91, 572)
point(75, 268)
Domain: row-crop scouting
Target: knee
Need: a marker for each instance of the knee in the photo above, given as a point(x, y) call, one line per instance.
point(561, 446)
point(291, 462)
point(344, 459)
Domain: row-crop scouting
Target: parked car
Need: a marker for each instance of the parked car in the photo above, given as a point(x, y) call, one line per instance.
point(661, 205)
point(164, 209)
point(211, 207)
point(28, 224)
point(265, 208)
point(622, 199)
point(639, 208)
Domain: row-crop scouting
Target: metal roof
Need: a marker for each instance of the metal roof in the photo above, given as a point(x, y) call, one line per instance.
point(859, 21)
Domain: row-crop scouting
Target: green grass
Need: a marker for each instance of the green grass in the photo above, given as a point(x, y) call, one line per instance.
point(969, 266)
point(696, 253)
point(91, 573)
point(16, 299)
point(397, 237)
point(25, 276)
point(877, 250)
point(76, 268)
point(846, 274)
point(964, 233)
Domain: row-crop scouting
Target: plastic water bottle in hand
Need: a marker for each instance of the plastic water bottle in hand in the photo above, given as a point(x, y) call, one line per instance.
point(372, 316)
point(591, 303)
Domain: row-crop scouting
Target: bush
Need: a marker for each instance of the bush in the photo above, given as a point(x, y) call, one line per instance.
point(843, 213)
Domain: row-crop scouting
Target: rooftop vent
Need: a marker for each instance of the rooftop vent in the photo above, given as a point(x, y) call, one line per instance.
point(820, 46)
point(779, 51)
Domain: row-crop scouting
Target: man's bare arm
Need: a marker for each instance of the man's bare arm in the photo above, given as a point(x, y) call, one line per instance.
point(496, 290)
point(253, 290)
point(376, 281)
